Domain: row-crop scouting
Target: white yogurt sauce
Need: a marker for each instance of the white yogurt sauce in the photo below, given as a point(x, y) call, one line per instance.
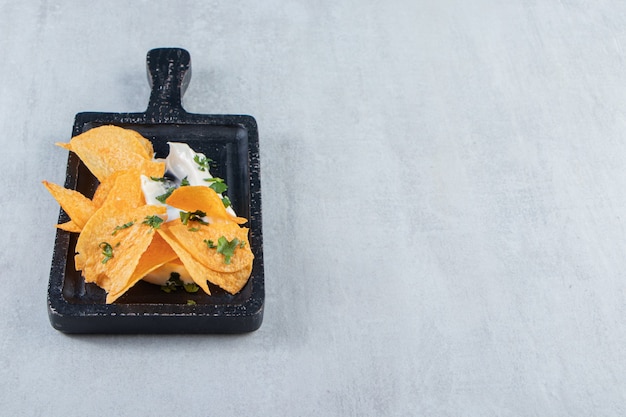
point(179, 164)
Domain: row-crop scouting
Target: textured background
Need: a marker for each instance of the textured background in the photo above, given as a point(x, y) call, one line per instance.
point(443, 197)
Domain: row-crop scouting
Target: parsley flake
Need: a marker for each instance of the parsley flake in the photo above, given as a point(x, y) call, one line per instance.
point(226, 201)
point(172, 283)
point(191, 287)
point(217, 184)
point(191, 303)
point(184, 182)
point(210, 243)
point(194, 216)
point(153, 221)
point(107, 251)
point(164, 197)
point(124, 226)
point(202, 161)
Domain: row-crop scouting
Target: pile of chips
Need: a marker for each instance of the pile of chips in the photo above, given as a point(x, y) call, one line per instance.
point(122, 239)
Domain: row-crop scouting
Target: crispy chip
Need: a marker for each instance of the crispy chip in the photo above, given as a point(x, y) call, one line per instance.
point(192, 198)
point(232, 282)
point(126, 191)
point(195, 240)
point(145, 143)
point(158, 253)
point(104, 188)
point(125, 245)
point(107, 149)
point(77, 206)
point(69, 227)
point(199, 273)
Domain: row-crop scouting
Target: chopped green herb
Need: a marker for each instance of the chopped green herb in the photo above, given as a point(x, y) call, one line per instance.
point(164, 197)
point(217, 184)
point(210, 243)
point(168, 288)
point(173, 282)
point(227, 248)
point(202, 161)
point(191, 288)
point(175, 278)
point(191, 303)
point(158, 179)
point(193, 229)
point(107, 251)
point(194, 216)
point(124, 226)
point(226, 201)
point(184, 182)
point(153, 221)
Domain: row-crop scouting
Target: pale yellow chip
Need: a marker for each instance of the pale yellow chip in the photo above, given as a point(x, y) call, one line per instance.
point(205, 199)
point(107, 149)
point(78, 207)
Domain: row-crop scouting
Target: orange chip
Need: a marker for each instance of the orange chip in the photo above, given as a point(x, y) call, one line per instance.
point(104, 188)
point(197, 238)
point(232, 282)
point(107, 149)
point(108, 251)
point(69, 227)
point(126, 189)
point(145, 143)
point(192, 198)
point(199, 273)
point(76, 205)
point(157, 254)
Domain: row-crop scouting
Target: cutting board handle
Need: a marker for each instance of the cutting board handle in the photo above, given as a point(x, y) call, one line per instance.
point(169, 72)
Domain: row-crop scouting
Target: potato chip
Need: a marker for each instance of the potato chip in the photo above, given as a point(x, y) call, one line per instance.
point(126, 190)
point(104, 188)
point(78, 207)
point(205, 199)
point(69, 227)
point(107, 149)
point(199, 273)
point(202, 241)
point(111, 244)
point(157, 254)
point(145, 143)
point(231, 282)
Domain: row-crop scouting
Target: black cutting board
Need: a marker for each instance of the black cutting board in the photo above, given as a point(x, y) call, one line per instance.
point(232, 142)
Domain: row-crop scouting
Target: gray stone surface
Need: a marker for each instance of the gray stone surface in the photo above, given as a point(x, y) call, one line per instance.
point(444, 192)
